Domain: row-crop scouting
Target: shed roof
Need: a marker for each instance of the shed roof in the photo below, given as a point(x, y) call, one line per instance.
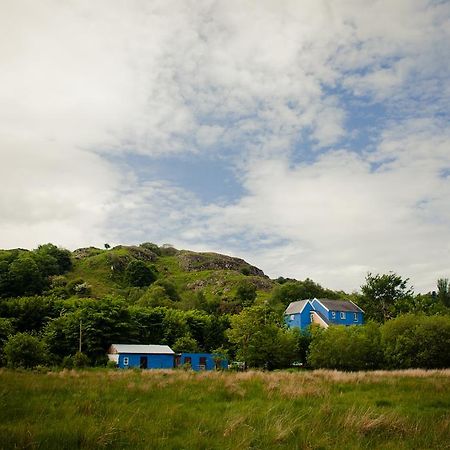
point(296, 307)
point(340, 305)
point(142, 349)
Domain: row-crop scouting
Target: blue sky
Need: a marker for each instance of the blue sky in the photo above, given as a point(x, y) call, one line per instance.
point(309, 137)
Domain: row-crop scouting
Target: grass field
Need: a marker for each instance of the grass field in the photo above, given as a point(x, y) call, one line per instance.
point(184, 410)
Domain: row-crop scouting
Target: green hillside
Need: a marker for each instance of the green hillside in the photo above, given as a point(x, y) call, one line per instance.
point(217, 277)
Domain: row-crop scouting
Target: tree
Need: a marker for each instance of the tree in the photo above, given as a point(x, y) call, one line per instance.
point(443, 292)
point(60, 256)
point(417, 341)
point(292, 291)
point(346, 348)
point(107, 246)
point(259, 339)
point(385, 296)
point(138, 274)
point(185, 344)
point(245, 293)
point(24, 276)
point(24, 350)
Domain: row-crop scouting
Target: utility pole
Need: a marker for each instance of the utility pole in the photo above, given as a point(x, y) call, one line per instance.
point(79, 344)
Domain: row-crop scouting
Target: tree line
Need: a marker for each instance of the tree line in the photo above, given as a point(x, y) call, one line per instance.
point(44, 323)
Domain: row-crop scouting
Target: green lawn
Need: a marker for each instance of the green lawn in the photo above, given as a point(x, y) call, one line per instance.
point(176, 410)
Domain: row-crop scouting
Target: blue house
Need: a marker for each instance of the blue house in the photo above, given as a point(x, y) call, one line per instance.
point(142, 356)
point(323, 312)
point(161, 357)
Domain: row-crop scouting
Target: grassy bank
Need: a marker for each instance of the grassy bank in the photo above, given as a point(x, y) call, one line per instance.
point(176, 410)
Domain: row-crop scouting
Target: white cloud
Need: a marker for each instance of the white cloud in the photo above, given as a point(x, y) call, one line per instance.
point(250, 82)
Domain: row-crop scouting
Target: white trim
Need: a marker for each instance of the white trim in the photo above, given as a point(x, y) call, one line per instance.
point(320, 318)
point(355, 317)
point(357, 306)
point(306, 302)
point(333, 314)
point(126, 360)
point(342, 315)
point(321, 304)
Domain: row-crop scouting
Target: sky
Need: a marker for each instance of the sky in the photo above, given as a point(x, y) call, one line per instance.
point(309, 137)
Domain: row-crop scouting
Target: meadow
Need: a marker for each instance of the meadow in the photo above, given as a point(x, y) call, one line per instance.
point(102, 408)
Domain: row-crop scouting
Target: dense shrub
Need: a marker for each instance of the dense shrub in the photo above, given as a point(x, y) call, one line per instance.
point(138, 274)
point(24, 350)
point(417, 341)
point(346, 348)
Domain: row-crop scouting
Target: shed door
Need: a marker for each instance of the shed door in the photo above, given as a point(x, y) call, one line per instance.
point(143, 362)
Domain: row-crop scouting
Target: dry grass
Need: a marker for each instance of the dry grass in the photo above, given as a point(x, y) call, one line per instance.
point(171, 409)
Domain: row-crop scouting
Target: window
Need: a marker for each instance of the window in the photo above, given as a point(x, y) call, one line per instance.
point(188, 360)
point(292, 317)
point(343, 315)
point(355, 317)
point(333, 314)
point(202, 363)
point(311, 316)
point(125, 361)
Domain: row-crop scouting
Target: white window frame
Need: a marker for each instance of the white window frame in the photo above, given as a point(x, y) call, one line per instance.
point(333, 314)
point(342, 315)
point(355, 317)
point(292, 316)
point(311, 317)
point(126, 360)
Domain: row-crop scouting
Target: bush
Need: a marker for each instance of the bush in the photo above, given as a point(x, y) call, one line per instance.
point(417, 341)
point(185, 344)
point(24, 350)
point(80, 360)
point(346, 348)
point(138, 274)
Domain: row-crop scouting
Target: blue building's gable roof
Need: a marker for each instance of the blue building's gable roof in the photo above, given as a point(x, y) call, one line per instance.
point(339, 305)
point(324, 312)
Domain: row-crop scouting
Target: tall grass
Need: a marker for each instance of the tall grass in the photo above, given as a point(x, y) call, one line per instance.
point(258, 410)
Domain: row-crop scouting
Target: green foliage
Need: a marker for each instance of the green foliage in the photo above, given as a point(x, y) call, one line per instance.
point(292, 291)
point(443, 291)
point(385, 296)
point(151, 246)
point(6, 330)
point(80, 360)
point(245, 293)
point(102, 323)
point(417, 341)
point(354, 347)
point(139, 274)
point(259, 340)
point(24, 350)
point(27, 273)
point(185, 344)
point(78, 287)
point(30, 313)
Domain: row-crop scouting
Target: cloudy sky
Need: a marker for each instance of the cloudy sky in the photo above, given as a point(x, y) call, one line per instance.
point(309, 137)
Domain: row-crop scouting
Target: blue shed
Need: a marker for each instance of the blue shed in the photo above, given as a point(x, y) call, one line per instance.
point(200, 361)
point(142, 356)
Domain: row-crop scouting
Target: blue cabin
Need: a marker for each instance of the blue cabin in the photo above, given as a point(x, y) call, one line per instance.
point(161, 357)
point(142, 356)
point(323, 312)
point(200, 361)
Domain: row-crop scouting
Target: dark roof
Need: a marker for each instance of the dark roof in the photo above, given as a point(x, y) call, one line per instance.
point(296, 307)
point(340, 305)
point(323, 317)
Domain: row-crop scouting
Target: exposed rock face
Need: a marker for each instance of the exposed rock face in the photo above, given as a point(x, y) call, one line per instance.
point(141, 253)
point(86, 252)
point(191, 261)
